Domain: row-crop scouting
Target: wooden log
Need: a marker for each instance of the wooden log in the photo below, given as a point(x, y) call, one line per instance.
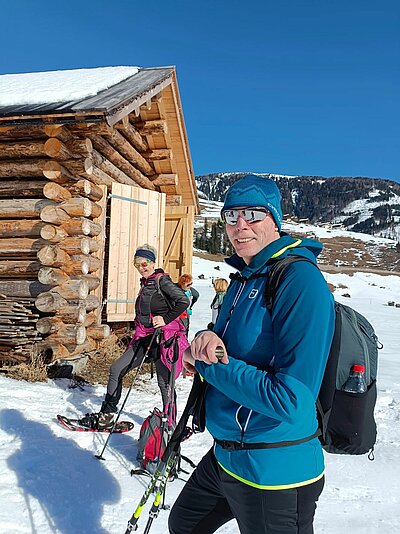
point(110, 169)
point(14, 268)
point(21, 188)
point(155, 127)
point(56, 192)
point(23, 208)
point(75, 148)
point(54, 214)
point(81, 207)
point(123, 146)
point(21, 132)
point(173, 200)
point(52, 276)
point(21, 149)
point(50, 302)
point(52, 233)
point(73, 289)
point(21, 228)
point(20, 246)
point(73, 314)
point(99, 177)
point(101, 331)
point(59, 131)
point(87, 189)
point(52, 255)
point(76, 245)
point(78, 167)
point(90, 319)
point(48, 325)
point(52, 350)
point(92, 281)
point(133, 136)
point(90, 129)
point(166, 179)
point(22, 288)
point(109, 152)
point(158, 154)
point(54, 171)
point(94, 263)
point(77, 266)
point(29, 168)
point(91, 303)
point(69, 335)
point(81, 226)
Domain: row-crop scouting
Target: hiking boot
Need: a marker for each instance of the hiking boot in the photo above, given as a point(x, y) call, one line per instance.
point(106, 421)
point(97, 421)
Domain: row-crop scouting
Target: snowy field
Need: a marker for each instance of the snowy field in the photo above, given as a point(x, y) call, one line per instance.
point(51, 482)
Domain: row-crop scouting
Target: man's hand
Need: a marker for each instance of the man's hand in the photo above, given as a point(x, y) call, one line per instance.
point(203, 348)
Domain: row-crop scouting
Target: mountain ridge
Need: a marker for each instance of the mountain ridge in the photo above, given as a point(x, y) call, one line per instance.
point(360, 204)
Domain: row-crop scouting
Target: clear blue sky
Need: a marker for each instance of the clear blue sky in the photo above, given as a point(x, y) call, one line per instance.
point(285, 86)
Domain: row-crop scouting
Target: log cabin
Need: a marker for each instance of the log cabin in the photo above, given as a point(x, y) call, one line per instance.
point(93, 163)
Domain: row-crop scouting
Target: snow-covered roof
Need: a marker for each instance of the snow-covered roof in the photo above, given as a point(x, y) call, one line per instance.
point(59, 85)
point(104, 89)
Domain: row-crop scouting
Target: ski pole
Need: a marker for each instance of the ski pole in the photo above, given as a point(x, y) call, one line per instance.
point(132, 523)
point(155, 508)
point(146, 352)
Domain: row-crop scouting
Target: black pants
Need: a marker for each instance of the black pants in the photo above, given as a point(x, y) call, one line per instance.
point(129, 360)
point(211, 498)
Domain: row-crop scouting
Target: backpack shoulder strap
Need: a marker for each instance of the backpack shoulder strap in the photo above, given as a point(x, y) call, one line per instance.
point(159, 290)
point(275, 274)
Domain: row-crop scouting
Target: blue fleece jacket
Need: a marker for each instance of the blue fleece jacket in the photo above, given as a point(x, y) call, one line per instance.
point(267, 391)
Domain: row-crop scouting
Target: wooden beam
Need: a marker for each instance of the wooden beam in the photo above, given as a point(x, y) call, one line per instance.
point(28, 168)
point(14, 268)
point(155, 127)
point(158, 154)
point(56, 172)
point(56, 192)
point(20, 228)
point(133, 136)
point(166, 179)
point(76, 148)
point(110, 169)
point(124, 147)
point(22, 149)
point(109, 152)
point(85, 188)
point(59, 131)
point(23, 208)
point(173, 200)
point(21, 188)
point(21, 288)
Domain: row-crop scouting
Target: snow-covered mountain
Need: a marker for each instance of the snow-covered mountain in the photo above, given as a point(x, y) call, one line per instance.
point(369, 205)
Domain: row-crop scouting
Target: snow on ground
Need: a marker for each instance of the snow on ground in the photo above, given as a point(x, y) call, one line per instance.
point(51, 482)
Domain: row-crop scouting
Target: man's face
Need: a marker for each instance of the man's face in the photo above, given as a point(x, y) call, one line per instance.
point(249, 238)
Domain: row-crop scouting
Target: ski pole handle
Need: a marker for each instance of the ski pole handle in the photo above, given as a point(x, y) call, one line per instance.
point(219, 352)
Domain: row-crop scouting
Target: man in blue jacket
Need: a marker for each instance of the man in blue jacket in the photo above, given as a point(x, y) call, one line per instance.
point(266, 468)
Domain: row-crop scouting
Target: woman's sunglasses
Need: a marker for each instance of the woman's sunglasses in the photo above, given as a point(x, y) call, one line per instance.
point(250, 215)
point(142, 264)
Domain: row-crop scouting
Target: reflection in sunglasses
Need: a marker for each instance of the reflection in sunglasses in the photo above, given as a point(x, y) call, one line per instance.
point(142, 264)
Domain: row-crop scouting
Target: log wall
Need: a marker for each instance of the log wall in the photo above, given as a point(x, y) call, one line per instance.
point(54, 181)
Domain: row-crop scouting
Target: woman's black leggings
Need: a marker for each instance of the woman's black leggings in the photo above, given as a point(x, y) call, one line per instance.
point(129, 360)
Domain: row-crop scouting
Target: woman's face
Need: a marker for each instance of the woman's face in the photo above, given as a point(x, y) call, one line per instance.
point(144, 266)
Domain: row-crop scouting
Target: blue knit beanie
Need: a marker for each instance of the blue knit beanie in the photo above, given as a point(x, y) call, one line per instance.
point(255, 191)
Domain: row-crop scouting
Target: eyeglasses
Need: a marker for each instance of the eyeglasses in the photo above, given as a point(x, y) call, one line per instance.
point(188, 285)
point(142, 264)
point(250, 215)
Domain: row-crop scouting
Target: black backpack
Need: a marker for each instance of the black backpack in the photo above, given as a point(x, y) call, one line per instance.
point(346, 420)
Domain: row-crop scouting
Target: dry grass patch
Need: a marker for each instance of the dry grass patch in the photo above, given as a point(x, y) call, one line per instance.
point(33, 371)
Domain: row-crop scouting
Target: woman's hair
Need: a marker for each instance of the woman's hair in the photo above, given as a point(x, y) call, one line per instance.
point(220, 284)
point(152, 251)
point(185, 279)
